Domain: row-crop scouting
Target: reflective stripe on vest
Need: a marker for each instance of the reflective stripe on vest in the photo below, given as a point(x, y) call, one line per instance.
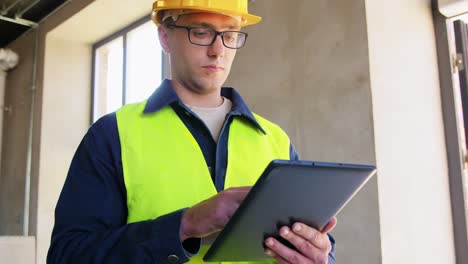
point(164, 167)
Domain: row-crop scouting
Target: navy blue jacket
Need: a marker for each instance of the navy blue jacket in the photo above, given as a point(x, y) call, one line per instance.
point(91, 214)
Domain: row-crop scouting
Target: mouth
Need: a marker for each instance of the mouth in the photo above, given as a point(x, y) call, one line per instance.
point(213, 68)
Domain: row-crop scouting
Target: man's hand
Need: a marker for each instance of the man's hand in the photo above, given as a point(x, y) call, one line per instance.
point(313, 246)
point(210, 216)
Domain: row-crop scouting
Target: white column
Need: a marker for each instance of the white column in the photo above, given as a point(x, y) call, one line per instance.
point(414, 199)
point(8, 60)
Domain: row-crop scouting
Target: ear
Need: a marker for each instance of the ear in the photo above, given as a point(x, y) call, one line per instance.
point(164, 39)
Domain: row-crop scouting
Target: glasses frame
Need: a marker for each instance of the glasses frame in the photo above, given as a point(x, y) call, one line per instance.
point(217, 33)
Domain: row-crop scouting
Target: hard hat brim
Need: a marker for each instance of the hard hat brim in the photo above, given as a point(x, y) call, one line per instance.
point(247, 19)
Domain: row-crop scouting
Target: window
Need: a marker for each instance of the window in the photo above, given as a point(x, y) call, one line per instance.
point(452, 42)
point(127, 67)
point(459, 30)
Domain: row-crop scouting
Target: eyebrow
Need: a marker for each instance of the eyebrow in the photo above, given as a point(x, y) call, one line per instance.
point(204, 24)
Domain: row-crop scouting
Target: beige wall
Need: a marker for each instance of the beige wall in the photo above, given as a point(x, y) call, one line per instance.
point(305, 66)
point(65, 119)
point(416, 224)
point(17, 250)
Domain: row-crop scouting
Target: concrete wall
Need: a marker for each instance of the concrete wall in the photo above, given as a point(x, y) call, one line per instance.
point(15, 134)
point(305, 66)
point(416, 224)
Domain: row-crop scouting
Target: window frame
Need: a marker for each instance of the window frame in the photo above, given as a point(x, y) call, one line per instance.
point(454, 146)
point(120, 33)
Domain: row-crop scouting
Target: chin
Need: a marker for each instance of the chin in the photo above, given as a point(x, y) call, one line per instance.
point(210, 85)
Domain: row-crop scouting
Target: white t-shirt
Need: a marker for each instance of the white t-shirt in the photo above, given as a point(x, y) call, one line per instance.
point(213, 117)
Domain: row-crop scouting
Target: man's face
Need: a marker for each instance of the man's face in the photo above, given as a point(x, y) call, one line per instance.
point(201, 69)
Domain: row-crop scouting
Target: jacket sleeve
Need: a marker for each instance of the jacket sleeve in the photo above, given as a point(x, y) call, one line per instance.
point(331, 256)
point(292, 153)
point(91, 213)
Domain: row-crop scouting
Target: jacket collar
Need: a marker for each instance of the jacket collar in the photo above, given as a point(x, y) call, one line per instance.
point(165, 95)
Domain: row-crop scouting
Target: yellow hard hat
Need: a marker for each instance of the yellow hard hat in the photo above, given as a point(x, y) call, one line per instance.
point(236, 8)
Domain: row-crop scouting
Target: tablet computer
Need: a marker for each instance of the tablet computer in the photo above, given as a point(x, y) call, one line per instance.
point(287, 192)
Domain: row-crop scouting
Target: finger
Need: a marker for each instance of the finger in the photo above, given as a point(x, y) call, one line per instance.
point(290, 255)
point(278, 258)
point(303, 246)
point(329, 227)
point(242, 188)
point(312, 235)
point(231, 208)
point(238, 194)
point(239, 189)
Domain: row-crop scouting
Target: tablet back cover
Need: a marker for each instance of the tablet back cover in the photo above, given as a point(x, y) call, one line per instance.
point(287, 192)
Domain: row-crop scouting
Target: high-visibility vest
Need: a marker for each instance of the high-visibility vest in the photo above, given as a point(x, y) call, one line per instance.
point(164, 167)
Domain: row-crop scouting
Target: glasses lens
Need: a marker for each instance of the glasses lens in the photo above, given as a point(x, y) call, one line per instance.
point(241, 37)
point(232, 39)
point(201, 35)
point(205, 36)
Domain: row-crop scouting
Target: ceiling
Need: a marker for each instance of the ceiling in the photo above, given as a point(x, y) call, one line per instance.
point(10, 8)
point(38, 10)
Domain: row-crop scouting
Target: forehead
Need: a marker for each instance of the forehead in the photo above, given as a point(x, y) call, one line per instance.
point(216, 21)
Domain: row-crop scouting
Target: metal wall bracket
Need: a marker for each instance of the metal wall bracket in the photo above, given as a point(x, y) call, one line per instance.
point(458, 63)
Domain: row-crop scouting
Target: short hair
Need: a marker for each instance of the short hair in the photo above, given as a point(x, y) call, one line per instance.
point(169, 21)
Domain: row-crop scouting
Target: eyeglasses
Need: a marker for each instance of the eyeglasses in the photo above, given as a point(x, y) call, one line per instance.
point(205, 36)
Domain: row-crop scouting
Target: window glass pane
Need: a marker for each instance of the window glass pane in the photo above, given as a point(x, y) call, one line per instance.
point(108, 78)
point(144, 62)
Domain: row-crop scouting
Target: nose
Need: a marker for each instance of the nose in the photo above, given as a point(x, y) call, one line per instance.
point(217, 49)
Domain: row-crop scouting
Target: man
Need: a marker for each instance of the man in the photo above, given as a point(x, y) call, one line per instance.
point(148, 182)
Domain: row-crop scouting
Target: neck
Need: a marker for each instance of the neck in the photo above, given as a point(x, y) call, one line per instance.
point(192, 98)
